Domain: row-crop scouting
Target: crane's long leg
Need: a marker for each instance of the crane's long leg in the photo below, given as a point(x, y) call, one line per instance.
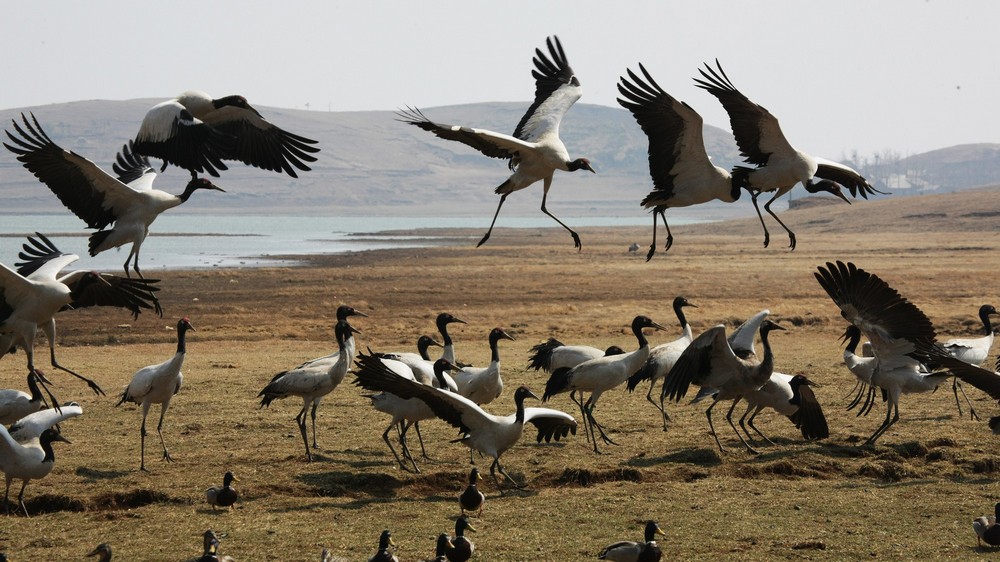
point(711, 426)
point(495, 215)
point(754, 427)
point(742, 422)
point(893, 407)
point(301, 421)
point(420, 438)
point(159, 430)
point(670, 237)
point(583, 414)
point(767, 235)
point(660, 406)
point(6, 496)
point(545, 193)
point(20, 498)
point(142, 438)
point(956, 387)
point(314, 406)
point(507, 477)
point(594, 424)
point(50, 333)
point(767, 207)
point(729, 418)
point(385, 437)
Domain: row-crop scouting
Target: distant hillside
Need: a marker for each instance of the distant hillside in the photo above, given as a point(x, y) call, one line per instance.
point(370, 163)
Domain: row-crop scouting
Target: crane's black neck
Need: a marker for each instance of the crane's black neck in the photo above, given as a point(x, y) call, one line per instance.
point(984, 315)
point(439, 368)
point(854, 338)
point(442, 326)
point(767, 365)
point(679, 311)
point(182, 328)
point(422, 345)
point(519, 404)
point(495, 336)
point(45, 441)
point(36, 394)
point(342, 332)
point(637, 330)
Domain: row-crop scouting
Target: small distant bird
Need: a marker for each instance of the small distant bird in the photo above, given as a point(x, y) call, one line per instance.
point(225, 496)
point(987, 529)
point(103, 550)
point(96, 197)
point(778, 166)
point(196, 132)
point(472, 499)
point(633, 248)
point(535, 150)
point(630, 551)
point(26, 462)
point(157, 384)
point(461, 547)
point(383, 554)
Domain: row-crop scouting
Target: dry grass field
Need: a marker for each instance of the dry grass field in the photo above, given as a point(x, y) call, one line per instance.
point(912, 496)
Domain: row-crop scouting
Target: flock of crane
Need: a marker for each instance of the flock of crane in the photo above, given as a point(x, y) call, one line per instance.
point(199, 134)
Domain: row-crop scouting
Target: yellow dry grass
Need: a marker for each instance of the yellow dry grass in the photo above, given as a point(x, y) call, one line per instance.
point(913, 496)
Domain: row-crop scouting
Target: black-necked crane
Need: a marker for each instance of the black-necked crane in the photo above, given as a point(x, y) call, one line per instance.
point(682, 172)
point(632, 551)
point(472, 498)
point(897, 329)
point(987, 381)
point(973, 351)
point(483, 385)
point(197, 132)
point(409, 411)
point(102, 550)
point(778, 165)
point(383, 554)
point(535, 150)
point(223, 496)
point(157, 384)
point(462, 548)
point(26, 462)
point(96, 197)
point(15, 404)
point(986, 528)
point(311, 381)
point(662, 358)
point(31, 296)
point(489, 434)
point(711, 362)
point(552, 355)
point(599, 375)
point(790, 396)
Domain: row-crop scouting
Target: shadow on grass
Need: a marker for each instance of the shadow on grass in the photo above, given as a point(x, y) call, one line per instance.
point(93, 474)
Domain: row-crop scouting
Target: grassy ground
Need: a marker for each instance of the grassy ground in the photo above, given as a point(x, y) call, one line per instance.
point(912, 496)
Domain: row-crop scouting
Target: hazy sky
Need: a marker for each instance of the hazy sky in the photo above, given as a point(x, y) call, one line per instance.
point(840, 75)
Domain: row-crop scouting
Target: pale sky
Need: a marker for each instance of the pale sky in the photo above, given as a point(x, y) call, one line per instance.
point(863, 75)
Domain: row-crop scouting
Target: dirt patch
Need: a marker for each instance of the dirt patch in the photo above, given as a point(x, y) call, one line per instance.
point(587, 477)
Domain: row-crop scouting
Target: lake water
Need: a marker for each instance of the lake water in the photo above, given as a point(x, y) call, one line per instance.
point(179, 241)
